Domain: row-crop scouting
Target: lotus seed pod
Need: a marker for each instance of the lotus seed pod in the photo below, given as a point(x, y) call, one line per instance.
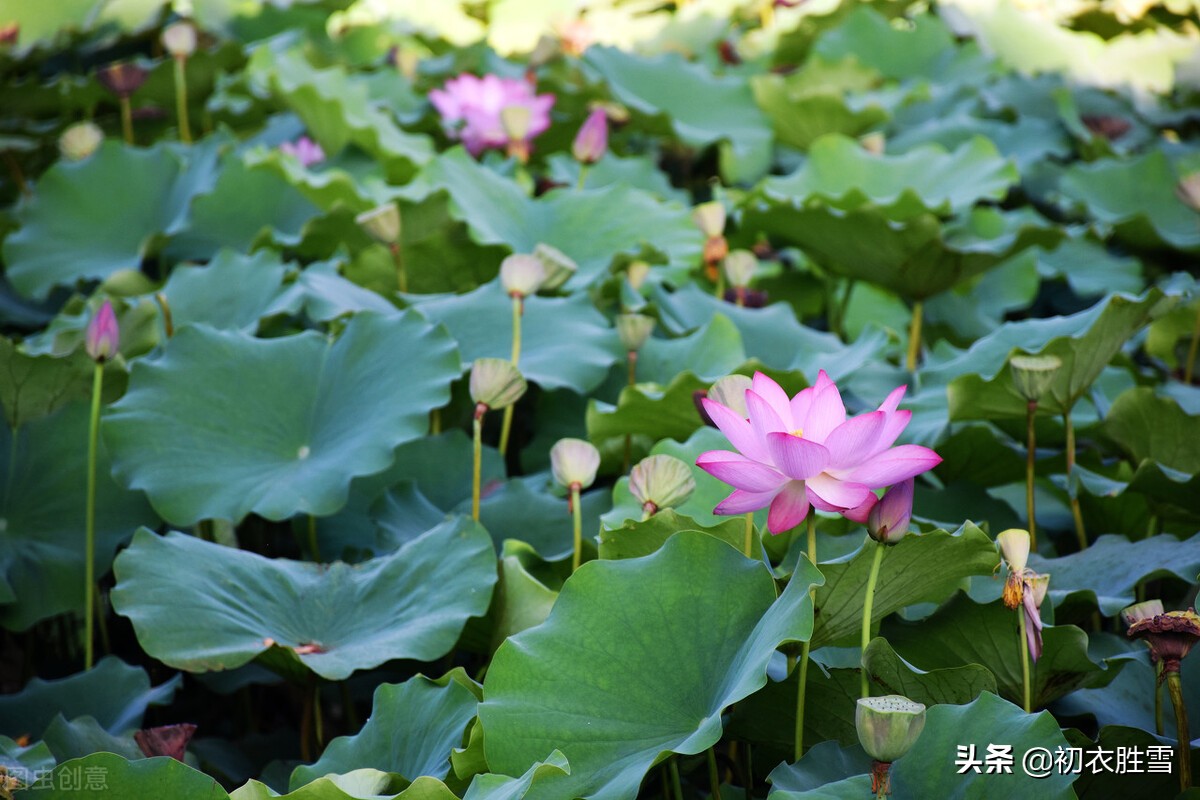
point(381, 223)
point(522, 274)
point(889, 519)
point(122, 79)
point(496, 382)
point(740, 266)
point(636, 273)
point(1014, 545)
point(179, 39)
point(730, 392)
point(516, 120)
point(1137, 612)
point(574, 462)
point(80, 140)
point(102, 337)
point(888, 726)
point(634, 330)
point(1038, 586)
point(660, 482)
point(1032, 375)
point(1188, 190)
point(710, 218)
point(1171, 636)
point(559, 266)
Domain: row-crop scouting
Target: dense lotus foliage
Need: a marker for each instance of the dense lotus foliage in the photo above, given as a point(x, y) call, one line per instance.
point(599, 399)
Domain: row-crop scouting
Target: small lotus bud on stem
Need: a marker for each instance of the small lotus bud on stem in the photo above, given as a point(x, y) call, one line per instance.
point(80, 140)
point(102, 337)
point(522, 275)
point(381, 223)
point(661, 481)
point(730, 392)
point(636, 273)
point(179, 39)
point(559, 266)
point(495, 383)
point(9, 33)
point(889, 519)
point(122, 80)
point(634, 330)
point(574, 461)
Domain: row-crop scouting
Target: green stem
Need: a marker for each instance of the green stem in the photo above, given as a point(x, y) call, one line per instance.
point(101, 623)
point(714, 779)
point(518, 309)
point(401, 273)
point(631, 360)
point(750, 534)
point(583, 171)
point(89, 585)
point(577, 520)
point(868, 602)
point(318, 719)
point(477, 426)
point(1030, 459)
point(914, 336)
point(749, 770)
point(435, 422)
point(1076, 512)
point(1158, 703)
point(505, 429)
point(1175, 687)
point(1189, 368)
point(312, 539)
point(675, 784)
point(1024, 657)
point(127, 120)
point(806, 648)
point(181, 100)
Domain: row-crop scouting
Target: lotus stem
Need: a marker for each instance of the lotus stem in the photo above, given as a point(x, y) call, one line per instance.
point(1030, 459)
point(583, 171)
point(477, 429)
point(1076, 512)
point(1175, 687)
point(1190, 365)
point(518, 309)
point(318, 719)
point(714, 779)
point(401, 273)
point(89, 585)
point(577, 522)
point(914, 336)
point(750, 534)
point(631, 360)
point(435, 422)
point(181, 100)
point(806, 648)
point(167, 320)
point(18, 176)
point(1158, 703)
point(675, 784)
point(748, 769)
point(127, 120)
point(312, 539)
point(868, 603)
point(1024, 645)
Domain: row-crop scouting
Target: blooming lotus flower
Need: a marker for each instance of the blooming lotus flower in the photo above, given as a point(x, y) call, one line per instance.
point(304, 150)
point(793, 453)
point(592, 139)
point(102, 336)
point(472, 109)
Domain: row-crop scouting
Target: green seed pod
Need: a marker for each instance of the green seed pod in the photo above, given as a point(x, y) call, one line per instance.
point(634, 330)
point(559, 266)
point(574, 461)
point(1032, 375)
point(381, 223)
point(740, 266)
point(888, 726)
point(496, 383)
point(660, 482)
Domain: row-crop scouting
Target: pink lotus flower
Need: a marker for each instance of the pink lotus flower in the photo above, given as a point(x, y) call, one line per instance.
point(592, 139)
point(803, 451)
point(471, 109)
point(102, 337)
point(304, 150)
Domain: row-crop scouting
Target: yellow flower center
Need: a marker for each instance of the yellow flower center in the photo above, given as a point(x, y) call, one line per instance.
point(798, 433)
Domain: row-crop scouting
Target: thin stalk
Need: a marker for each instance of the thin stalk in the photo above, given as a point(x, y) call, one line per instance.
point(505, 429)
point(806, 648)
point(842, 307)
point(1158, 703)
point(631, 360)
point(583, 171)
point(181, 100)
point(312, 539)
point(306, 722)
point(401, 273)
point(868, 603)
point(1030, 458)
point(714, 779)
point(167, 320)
point(749, 771)
point(739, 296)
point(1076, 512)
point(89, 584)
point(750, 534)
point(1023, 644)
point(1175, 687)
point(101, 623)
point(477, 425)
point(127, 120)
point(318, 719)
point(18, 176)
point(577, 521)
point(675, 784)
point(435, 422)
point(1189, 368)
point(914, 336)
point(518, 308)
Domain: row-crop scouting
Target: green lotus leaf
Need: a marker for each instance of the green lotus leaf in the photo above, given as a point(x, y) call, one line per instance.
point(840, 174)
point(1091, 270)
point(273, 440)
point(702, 108)
point(635, 539)
point(76, 738)
point(649, 410)
point(21, 760)
point(449, 21)
point(979, 305)
point(713, 351)
point(502, 787)
point(565, 341)
point(922, 50)
point(350, 180)
point(919, 568)
point(824, 763)
point(1096, 783)
point(638, 172)
point(1085, 343)
point(772, 335)
point(1109, 570)
point(591, 227)
point(527, 510)
point(109, 775)
point(338, 110)
point(412, 729)
point(522, 601)
point(233, 291)
point(35, 386)
point(915, 259)
point(1027, 141)
point(1137, 197)
point(1171, 493)
point(334, 618)
point(1151, 427)
point(113, 693)
point(68, 231)
point(891, 674)
point(361, 784)
point(696, 621)
point(965, 632)
point(44, 467)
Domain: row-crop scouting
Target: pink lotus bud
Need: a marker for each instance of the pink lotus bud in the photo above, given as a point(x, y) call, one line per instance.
point(103, 336)
point(592, 140)
point(304, 150)
point(888, 519)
